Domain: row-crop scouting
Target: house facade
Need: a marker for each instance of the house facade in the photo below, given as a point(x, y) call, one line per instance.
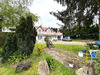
point(43, 32)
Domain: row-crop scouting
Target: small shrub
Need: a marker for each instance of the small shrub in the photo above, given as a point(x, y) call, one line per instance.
point(47, 41)
point(51, 63)
point(17, 57)
point(54, 40)
point(22, 66)
point(10, 46)
point(39, 49)
point(97, 63)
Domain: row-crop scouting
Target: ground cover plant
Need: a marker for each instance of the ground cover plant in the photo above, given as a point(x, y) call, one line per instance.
point(59, 69)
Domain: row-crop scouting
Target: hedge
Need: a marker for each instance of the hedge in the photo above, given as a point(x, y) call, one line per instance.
point(2, 38)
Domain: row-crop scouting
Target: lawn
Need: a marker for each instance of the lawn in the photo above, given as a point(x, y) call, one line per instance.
point(79, 40)
point(73, 48)
point(59, 69)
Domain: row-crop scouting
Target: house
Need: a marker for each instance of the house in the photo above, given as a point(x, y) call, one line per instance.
point(9, 29)
point(43, 32)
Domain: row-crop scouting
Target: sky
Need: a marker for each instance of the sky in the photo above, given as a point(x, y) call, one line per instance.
point(42, 8)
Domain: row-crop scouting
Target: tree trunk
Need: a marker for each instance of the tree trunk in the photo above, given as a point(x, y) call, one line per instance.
point(99, 24)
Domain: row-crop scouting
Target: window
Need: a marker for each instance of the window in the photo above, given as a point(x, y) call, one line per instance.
point(39, 31)
point(48, 31)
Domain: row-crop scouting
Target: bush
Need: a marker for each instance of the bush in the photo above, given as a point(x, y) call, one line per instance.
point(10, 46)
point(54, 40)
point(47, 41)
point(51, 63)
point(17, 57)
point(2, 38)
point(39, 49)
point(97, 63)
point(26, 35)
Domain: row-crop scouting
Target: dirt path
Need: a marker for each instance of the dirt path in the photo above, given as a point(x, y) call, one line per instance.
point(65, 57)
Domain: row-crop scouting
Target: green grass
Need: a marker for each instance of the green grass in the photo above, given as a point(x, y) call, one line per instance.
point(73, 48)
point(6, 69)
point(79, 40)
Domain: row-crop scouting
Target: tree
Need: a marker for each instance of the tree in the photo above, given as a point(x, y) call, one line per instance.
point(12, 10)
point(10, 46)
point(26, 35)
point(79, 12)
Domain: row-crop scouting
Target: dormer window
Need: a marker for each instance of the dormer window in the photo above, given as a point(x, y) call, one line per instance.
point(39, 31)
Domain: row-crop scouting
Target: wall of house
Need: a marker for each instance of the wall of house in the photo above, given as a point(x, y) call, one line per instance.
point(42, 34)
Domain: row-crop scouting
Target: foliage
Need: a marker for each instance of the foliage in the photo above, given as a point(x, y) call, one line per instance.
point(55, 29)
point(2, 38)
point(78, 14)
point(6, 69)
point(47, 41)
point(97, 63)
point(22, 66)
point(12, 10)
point(51, 63)
point(90, 33)
point(26, 35)
point(39, 49)
point(54, 40)
point(0, 52)
point(17, 57)
point(10, 46)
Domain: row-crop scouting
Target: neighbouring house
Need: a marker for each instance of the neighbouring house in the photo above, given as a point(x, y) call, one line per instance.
point(43, 32)
point(9, 29)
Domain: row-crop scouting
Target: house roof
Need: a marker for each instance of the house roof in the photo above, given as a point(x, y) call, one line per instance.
point(43, 28)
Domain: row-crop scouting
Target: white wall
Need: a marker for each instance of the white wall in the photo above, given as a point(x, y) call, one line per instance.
point(5, 29)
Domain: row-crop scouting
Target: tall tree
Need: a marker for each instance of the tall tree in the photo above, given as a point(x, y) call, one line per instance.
point(26, 35)
point(12, 10)
point(79, 12)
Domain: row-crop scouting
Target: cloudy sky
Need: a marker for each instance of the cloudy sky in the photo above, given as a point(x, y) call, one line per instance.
point(42, 9)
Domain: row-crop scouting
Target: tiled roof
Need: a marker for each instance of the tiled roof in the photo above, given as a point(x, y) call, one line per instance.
point(48, 34)
point(43, 28)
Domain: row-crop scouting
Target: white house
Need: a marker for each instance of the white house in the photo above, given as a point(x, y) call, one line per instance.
point(43, 32)
point(9, 29)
